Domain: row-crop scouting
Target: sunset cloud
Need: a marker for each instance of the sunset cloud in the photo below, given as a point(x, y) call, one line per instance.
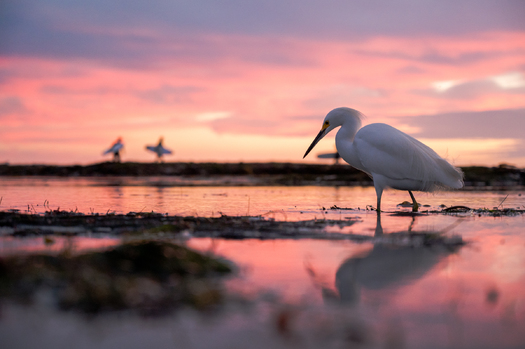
point(212, 116)
point(484, 124)
point(74, 76)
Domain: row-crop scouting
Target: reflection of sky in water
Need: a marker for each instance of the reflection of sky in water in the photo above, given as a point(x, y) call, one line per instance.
point(467, 297)
point(419, 296)
point(123, 195)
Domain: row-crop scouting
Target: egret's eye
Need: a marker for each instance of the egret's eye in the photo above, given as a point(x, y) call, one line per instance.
point(326, 123)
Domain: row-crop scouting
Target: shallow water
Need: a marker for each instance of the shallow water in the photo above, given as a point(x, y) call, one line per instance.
point(123, 195)
point(300, 292)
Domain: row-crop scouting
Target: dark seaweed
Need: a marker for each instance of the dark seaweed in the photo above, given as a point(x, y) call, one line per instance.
point(152, 277)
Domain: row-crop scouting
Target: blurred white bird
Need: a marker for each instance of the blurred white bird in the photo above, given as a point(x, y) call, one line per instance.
point(159, 149)
point(390, 157)
point(115, 149)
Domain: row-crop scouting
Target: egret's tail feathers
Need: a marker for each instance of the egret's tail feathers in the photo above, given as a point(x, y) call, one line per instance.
point(435, 172)
point(449, 176)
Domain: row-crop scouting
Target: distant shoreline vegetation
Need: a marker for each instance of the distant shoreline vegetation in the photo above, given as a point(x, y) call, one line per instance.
point(271, 173)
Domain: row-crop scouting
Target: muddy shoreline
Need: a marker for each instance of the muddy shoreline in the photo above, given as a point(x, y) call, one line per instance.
point(494, 178)
point(150, 224)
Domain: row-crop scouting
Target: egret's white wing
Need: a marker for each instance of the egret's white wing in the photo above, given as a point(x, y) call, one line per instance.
point(152, 148)
point(385, 150)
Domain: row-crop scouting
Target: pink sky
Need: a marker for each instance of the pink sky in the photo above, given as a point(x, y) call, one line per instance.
point(252, 82)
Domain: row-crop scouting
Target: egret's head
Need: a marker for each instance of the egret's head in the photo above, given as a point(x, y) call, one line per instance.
point(336, 118)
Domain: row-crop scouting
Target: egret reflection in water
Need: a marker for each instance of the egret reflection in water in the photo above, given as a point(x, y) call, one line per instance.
point(389, 266)
point(396, 260)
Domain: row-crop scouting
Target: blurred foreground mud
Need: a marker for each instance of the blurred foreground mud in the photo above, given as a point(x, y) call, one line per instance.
point(151, 277)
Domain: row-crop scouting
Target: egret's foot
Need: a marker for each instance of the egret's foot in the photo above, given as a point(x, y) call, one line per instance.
point(415, 205)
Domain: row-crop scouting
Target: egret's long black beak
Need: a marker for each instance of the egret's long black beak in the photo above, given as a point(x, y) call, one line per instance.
point(319, 136)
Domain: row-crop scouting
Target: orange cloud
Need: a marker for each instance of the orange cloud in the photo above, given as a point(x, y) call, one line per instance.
point(267, 91)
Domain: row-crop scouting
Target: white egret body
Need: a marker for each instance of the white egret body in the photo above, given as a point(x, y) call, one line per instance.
point(115, 149)
point(390, 157)
point(159, 149)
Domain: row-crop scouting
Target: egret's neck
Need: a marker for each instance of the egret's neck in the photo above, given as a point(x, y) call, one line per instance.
point(347, 131)
point(344, 141)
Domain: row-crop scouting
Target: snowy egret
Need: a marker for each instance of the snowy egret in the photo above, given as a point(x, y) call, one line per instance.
point(115, 149)
point(159, 149)
point(390, 157)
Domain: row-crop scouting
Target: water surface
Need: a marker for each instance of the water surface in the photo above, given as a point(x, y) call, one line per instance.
point(123, 195)
point(300, 292)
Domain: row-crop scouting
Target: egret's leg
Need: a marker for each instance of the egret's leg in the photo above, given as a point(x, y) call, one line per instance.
point(379, 193)
point(415, 205)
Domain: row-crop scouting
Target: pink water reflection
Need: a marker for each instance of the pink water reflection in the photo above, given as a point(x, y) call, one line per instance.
point(123, 195)
point(423, 297)
point(10, 245)
point(472, 296)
